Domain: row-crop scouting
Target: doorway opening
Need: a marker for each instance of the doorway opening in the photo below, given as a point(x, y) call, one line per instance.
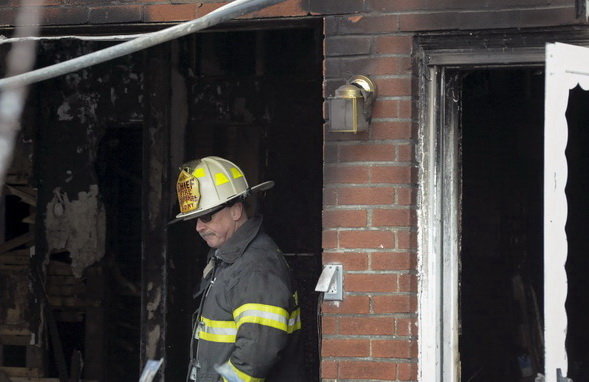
point(577, 192)
point(491, 306)
point(501, 257)
point(501, 243)
point(255, 98)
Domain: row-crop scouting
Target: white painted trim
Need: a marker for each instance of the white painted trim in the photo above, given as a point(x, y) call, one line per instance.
point(429, 238)
point(438, 213)
point(566, 67)
point(450, 175)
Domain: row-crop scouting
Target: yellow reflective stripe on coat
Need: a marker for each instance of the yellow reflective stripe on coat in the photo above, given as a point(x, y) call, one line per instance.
point(267, 315)
point(240, 375)
point(217, 331)
point(294, 322)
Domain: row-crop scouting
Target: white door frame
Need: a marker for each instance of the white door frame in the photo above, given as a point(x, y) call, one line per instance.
point(566, 67)
point(439, 196)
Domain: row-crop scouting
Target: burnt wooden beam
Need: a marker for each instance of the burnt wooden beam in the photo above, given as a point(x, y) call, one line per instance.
point(16, 242)
point(26, 194)
point(155, 203)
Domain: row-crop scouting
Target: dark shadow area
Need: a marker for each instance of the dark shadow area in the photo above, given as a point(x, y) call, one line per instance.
point(119, 170)
point(501, 277)
point(577, 192)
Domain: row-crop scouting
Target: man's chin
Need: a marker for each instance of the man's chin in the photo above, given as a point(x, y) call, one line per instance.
point(211, 241)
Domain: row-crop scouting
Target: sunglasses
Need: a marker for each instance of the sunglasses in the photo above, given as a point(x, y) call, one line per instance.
point(206, 218)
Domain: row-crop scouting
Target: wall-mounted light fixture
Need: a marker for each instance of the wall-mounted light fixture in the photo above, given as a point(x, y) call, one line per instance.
point(350, 109)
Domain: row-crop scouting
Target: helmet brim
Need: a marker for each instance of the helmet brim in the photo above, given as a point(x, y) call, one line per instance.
point(264, 186)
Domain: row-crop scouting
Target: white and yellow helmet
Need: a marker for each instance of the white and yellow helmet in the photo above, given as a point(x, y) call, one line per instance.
point(207, 183)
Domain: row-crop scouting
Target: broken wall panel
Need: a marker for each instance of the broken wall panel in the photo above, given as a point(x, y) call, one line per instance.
point(75, 110)
point(74, 115)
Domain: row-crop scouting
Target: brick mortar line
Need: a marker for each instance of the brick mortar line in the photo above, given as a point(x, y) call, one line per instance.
point(370, 143)
point(403, 315)
point(376, 13)
point(474, 11)
point(369, 336)
point(381, 294)
point(407, 164)
point(359, 34)
point(364, 56)
point(387, 76)
point(388, 119)
point(348, 316)
point(389, 142)
point(351, 208)
point(371, 185)
point(391, 98)
point(371, 251)
point(379, 359)
point(368, 163)
point(379, 76)
point(356, 207)
point(367, 229)
point(390, 32)
point(360, 380)
point(383, 272)
point(338, 185)
point(395, 98)
point(386, 98)
point(372, 164)
point(377, 228)
point(393, 228)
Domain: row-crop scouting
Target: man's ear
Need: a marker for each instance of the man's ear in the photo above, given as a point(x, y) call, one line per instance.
point(236, 211)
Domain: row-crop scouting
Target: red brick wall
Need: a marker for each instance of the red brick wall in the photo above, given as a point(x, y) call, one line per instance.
point(378, 16)
point(370, 180)
point(369, 205)
point(78, 12)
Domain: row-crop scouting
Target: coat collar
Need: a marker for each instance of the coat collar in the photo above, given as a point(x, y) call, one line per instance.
point(239, 241)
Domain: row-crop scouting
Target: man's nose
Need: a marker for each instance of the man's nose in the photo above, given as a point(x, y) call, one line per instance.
point(199, 225)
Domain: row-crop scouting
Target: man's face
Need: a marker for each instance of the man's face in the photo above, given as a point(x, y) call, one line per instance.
point(221, 227)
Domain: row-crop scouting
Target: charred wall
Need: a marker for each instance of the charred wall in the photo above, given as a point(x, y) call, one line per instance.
point(88, 175)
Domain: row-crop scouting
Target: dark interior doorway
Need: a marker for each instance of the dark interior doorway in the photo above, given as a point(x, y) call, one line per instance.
point(501, 295)
point(501, 245)
point(255, 98)
point(119, 172)
point(577, 192)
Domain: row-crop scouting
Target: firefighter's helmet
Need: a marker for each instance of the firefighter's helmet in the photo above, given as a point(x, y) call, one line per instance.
point(208, 183)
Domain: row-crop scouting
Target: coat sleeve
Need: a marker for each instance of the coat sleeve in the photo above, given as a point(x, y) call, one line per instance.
point(263, 302)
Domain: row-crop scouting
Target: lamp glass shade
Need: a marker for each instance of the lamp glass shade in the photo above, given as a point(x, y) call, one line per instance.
point(345, 115)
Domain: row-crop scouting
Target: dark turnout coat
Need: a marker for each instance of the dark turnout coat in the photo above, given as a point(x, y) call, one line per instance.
point(247, 327)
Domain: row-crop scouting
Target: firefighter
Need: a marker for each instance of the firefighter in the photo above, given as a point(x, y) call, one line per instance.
point(247, 326)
